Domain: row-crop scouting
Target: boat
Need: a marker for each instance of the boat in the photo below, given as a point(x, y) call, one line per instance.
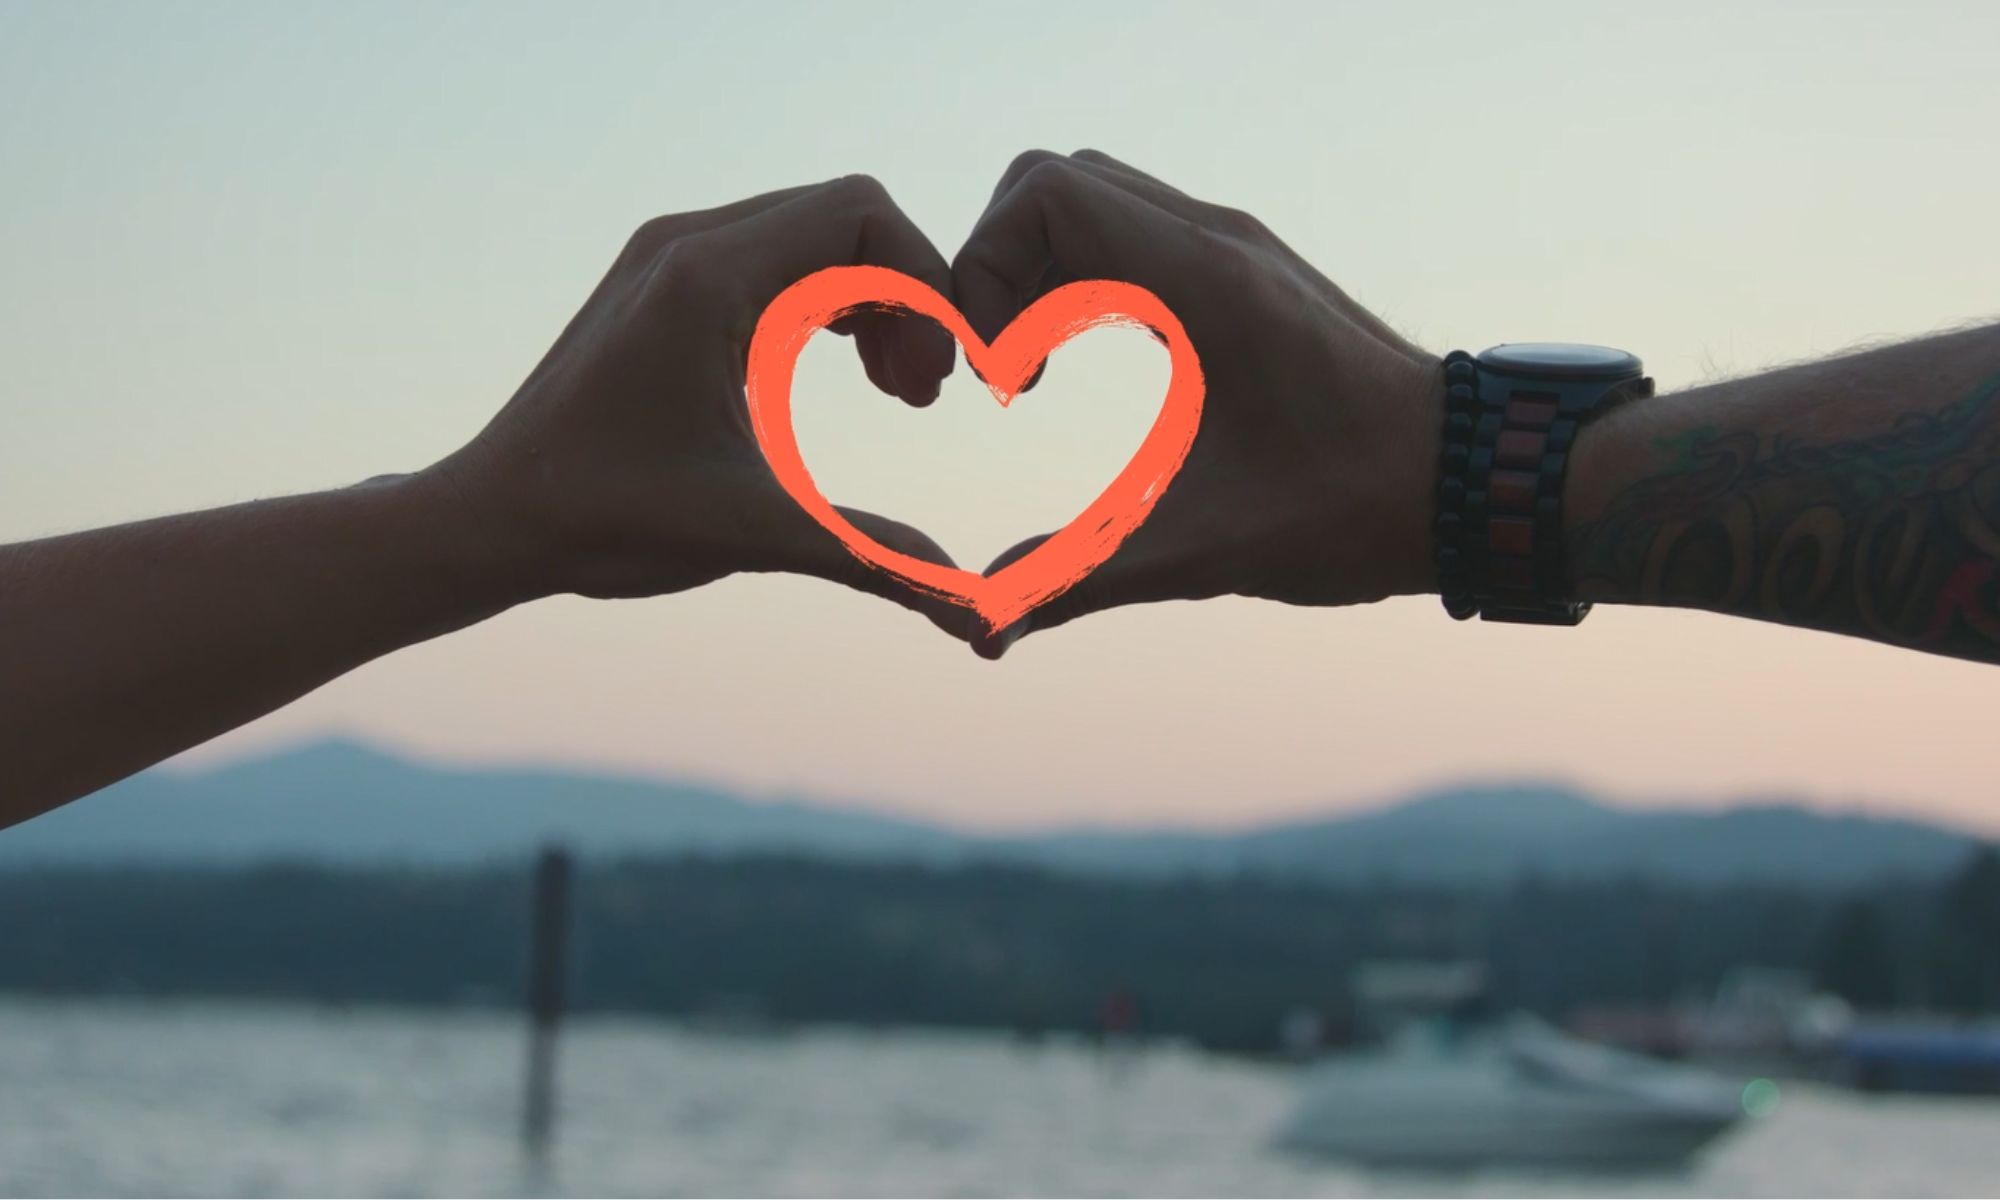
point(1510, 1091)
point(1761, 1022)
point(1915, 1055)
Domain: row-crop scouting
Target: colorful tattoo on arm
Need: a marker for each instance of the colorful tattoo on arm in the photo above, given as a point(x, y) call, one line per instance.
point(1894, 536)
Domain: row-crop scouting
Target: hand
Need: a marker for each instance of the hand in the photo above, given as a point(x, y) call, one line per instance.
point(625, 465)
point(1310, 481)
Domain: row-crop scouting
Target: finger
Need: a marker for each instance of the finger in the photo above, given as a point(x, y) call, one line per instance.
point(849, 221)
point(954, 619)
point(683, 224)
point(1017, 170)
point(1028, 160)
point(1242, 226)
point(814, 550)
point(871, 343)
point(887, 338)
point(1216, 218)
point(1211, 216)
point(1058, 222)
point(1140, 184)
point(1122, 579)
point(919, 351)
point(1052, 276)
point(1098, 158)
point(648, 243)
point(990, 644)
point(1095, 592)
point(1180, 552)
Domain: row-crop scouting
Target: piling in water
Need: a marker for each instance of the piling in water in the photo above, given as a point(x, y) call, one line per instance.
point(548, 968)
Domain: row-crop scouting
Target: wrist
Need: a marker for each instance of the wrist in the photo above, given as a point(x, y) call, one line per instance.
point(1406, 549)
point(1608, 453)
point(489, 553)
point(1361, 525)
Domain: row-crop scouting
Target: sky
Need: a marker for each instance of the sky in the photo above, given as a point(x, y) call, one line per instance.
point(250, 250)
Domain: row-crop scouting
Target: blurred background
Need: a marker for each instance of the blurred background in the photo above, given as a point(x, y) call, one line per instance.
point(771, 889)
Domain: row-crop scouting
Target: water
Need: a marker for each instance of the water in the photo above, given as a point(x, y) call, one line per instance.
point(109, 1098)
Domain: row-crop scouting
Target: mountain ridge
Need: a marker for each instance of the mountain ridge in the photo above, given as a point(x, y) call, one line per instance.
point(344, 801)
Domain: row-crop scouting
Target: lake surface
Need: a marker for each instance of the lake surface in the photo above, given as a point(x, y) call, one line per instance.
point(213, 1099)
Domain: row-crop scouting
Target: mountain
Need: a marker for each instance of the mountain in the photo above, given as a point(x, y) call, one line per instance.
point(1493, 835)
point(342, 802)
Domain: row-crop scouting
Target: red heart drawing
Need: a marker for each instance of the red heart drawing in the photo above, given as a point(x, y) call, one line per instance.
point(1075, 550)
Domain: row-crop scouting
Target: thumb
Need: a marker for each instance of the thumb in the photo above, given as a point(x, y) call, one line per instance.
point(1094, 592)
point(837, 563)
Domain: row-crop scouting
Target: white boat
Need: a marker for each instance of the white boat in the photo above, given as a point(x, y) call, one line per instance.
point(1511, 1092)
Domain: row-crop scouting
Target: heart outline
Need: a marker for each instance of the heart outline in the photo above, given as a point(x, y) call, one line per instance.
point(1073, 551)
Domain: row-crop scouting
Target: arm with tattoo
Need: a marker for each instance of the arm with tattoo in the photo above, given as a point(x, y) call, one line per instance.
point(1859, 495)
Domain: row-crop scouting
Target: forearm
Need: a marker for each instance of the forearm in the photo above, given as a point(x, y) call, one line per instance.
point(1859, 495)
point(122, 646)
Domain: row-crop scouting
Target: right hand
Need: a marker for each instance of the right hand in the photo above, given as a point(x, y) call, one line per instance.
point(1311, 478)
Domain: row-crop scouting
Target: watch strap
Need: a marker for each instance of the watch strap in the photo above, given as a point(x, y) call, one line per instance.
point(1502, 470)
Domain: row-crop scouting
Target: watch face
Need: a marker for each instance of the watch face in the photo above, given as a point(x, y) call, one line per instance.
point(1564, 360)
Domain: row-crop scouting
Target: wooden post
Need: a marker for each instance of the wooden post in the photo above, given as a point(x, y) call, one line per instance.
point(548, 963)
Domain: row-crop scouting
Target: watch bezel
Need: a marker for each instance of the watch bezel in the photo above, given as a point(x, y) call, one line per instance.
point(1545, 360)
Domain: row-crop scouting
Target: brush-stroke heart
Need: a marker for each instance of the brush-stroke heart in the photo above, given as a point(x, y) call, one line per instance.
point(1078, 547)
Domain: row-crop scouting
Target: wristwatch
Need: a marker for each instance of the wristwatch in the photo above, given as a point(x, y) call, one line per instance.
point(1511, 416)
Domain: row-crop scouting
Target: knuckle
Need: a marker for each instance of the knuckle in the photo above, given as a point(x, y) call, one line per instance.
point(1237, 223)
point(1049, 176)
point(1051, 183)
point(905, 540)
point(1025, 162)
point(680, 269)
point(860, 192)
point(652, 236)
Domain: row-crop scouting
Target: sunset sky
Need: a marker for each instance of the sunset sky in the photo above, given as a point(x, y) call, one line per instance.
point(247, 250)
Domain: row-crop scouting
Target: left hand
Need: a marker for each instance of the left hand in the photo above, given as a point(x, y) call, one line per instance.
point(626, 466)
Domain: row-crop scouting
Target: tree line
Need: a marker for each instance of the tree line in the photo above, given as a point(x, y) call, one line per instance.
point(788, 939)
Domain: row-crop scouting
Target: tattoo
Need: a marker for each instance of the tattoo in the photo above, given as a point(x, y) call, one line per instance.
point(1894, 537)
